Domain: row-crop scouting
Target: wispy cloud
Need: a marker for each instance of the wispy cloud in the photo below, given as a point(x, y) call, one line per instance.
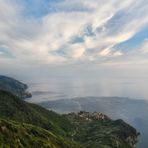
point(69, 31)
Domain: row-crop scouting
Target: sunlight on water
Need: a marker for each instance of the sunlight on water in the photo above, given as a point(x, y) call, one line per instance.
point(52, 89)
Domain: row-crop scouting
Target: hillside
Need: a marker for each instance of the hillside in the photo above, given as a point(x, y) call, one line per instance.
point(14, 135)
point(65, 131)
point(98, 130)
point(13, 108)
point(14, 86)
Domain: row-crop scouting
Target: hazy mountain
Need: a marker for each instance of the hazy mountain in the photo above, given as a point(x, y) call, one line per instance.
point(14, 86)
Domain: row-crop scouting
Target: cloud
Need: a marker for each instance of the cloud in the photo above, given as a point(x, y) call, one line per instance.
point(144, 47)
point(70, 31)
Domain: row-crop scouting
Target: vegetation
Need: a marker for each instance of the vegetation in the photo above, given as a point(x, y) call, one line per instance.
point(21, 135)
point(14, 86)
point(28, 125)
point(13, 108)
point(103, 133)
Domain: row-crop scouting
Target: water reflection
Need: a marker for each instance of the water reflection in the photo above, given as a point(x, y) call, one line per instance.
point(53, 89)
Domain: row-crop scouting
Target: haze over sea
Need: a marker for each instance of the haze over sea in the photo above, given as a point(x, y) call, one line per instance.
point(61, 88)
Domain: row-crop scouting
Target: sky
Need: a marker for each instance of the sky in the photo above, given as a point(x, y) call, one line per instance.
point(79, 38)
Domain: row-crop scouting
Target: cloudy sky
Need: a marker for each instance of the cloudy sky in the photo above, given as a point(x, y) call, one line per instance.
point(74, 37)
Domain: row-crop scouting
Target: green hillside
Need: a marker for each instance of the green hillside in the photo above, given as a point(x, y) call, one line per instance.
point(105, 133)
point(21, 135)
point(28, 125)
point(13, 108)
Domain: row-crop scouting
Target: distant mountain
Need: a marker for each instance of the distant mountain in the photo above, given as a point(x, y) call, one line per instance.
point(28, 125)
point(14, 86)
point(115, 107)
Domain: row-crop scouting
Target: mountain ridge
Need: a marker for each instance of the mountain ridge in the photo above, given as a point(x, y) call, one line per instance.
point(14, 86)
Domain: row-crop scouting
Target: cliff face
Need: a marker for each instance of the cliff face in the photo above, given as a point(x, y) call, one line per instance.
point(98, 130)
